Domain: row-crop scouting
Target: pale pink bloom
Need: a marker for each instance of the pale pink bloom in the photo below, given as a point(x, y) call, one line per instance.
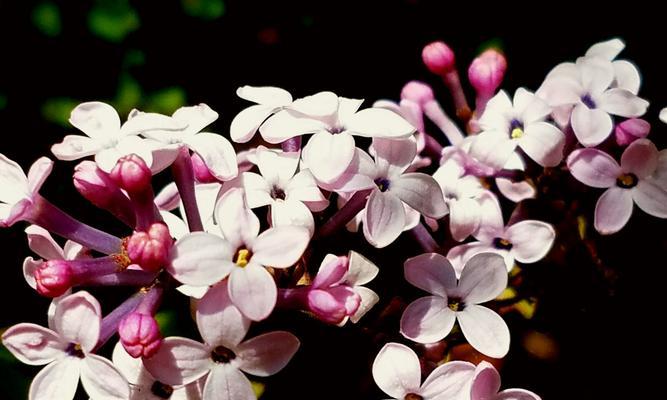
point(412, 216)
point(216, 151)
point(430, 319)
point(507, 124)
point(18, 190)
point(106, 138)
point(641, 178)
point(626, 75)
point(66, 352)
point(293, 196)
point(589, 86)
point(143, 386)
point(268, 99)
point(385, 217)
point(206, 194)
point(526, 241)
point(515, 189)
point(333, 120)
point(486, 386)
point(223, 356)
point(202, 259)
point(630, 130)
point(397, 371)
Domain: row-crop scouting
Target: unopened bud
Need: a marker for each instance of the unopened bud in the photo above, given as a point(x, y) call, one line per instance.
point(417, 91)
point(630, 130)
point(150, 249)
point(140, 335)
point(131, 173)
point(54, 278)
point(487, 71)
point(438, 58)
point(98, 188)
point(202, 173)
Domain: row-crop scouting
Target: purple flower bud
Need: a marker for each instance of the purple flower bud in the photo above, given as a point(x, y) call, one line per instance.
point(150, 249)
point(132, 174)
point(487, 71)
point(333, 304)
point(140, 335)
point(630, 130)
point(98, 188)
point(438, 58)
point(54, 278)
point(417, 91)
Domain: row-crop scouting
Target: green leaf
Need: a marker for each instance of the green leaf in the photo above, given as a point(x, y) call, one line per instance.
point(204, 9)
point(58, 109)
point(166, 101)
point(46, 18)
point(113, 20)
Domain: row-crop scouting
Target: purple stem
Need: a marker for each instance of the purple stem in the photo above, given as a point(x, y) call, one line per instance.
point(356, 203)
point(435, 113)
point(90, 268)
point(292, 145)
point(453, 83)
point(432, 148)
point(424, 238)
point(110, 322)
point(151, 301)
point(62, 224)
point(185, 182)
point(145, 211)
point(128, 277)
point(480, 103)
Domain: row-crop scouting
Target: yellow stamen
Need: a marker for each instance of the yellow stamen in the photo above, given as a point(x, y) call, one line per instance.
point(453, 305)
point(516, 133)
point(242, 257)
point(627, 179)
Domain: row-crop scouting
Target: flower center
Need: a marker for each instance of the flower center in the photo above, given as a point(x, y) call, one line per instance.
point(455, 304)
point(502, 244)
point(382, 184)
point(627, 181)
point(222, 355)
point(162, 390)
point(242, 257)
point(588, 101)
point(516, 129)
point(277, 193)
point(413, 396)
point(75, 350)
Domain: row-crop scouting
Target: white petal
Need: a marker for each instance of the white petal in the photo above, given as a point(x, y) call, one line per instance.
point(543, 143)
point(427, 320)
point(238, 223)
point(245, 124)
point(449, 381)
point(464, 218)
point(131, 368)
point(396, 370)
point(32, 344)
point(484, 330)
point(41, 242)
point(267, 354)
point(217, 153)
point(392, 156)
point(196, 117)
point(95, 119)
point(179, 361)
point(253, 291)
point(292, 213)
point(219, 321)
point(280, 247)
point(177, 227)
point(591, 127)
point(78, 318)
point(651, 197)
point(483, 278)
point(302, 187)
point(431, 272)
point(627, 76)
point(368, 299)
point(226, 382)
point(57, 380)
point(613, 210)
point(378, 122)
point(623, 103)
point(258, 191)
point(101, 379)
point(284, 125)
point(361, 270)
point(608, 49)
point(596, 74)
point(493, 148)
point(200, 259)
point(384, 218)
point(421, 192)
point(266, 95)
point(275, 167)
point(319, 105)
point(593, 167)
point(531, 240)
point(74, 147)
point(13, 181)
point(329, 155)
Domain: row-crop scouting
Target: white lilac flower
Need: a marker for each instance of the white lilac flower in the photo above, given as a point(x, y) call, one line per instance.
point(268, 99)
point(18, 190)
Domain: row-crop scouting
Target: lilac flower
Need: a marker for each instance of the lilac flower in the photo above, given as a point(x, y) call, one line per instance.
point(268, 99)
point(641, 178)
point(18, 190)
point(66, 352)
point(486, 385)
point(430, 319)
point(224, 354)
point(397, 371)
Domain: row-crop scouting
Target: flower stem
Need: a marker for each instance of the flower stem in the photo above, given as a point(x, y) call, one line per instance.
point(424, 238)
point(185, 182)
point(435, 113)
point(292, 145)
point(356, 203)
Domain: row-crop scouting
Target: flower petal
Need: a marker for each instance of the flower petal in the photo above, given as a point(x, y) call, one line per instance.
point(218, 320)
point(302, 187)
point(197, 117)
point(361, 270)
point(245, 124)
point(41, 242)
point(627, 76)
point(486, 382)
point(368, 299)
point(239, 225)
point(517, 394)
point(217, 153)
point(378, 122)
point(101, 379)
point(483, 278)
point(421, 192)
point(427, 320)
point(200, 259)
point(640, 158)
point(179, 361)
point(33, 344)
point(267, 354)
point(613, 210)
point(396, 370)
point(74, 147)
point(226, 382)
point(96, 119)
point(593, 167)
point(450, 381)
point(651, 197)
point(57, 380)
point(608, 50)
point(384, 218)
point(591, 126)
point(493, 148)
point(531, 240)
point(266, 95)
point(431, 272)
point(484, 330)
point(543, 143)
point(285, 124)
point(623, 103)
point(78, 318)
point(329, 155)
point(253, 291)
point(13, 181)
point(280, 247)
point(392, 156)
point(464, 218)
point(318, 105)
point(292, 213)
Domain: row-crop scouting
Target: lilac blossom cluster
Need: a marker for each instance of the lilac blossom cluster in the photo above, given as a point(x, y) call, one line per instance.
point(201, 236)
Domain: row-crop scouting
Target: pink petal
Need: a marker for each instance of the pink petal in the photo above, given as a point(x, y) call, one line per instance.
point(623, 103)
point(613, 210)
point(651, 197)
point(384, 218)
point(486, 382)
point(378, 122)
point(226, 382)
point(464, 218)
point(33, 344)
point(431, 272)
point(292, 213)
point(253, 291)
point(217, 153)
point(218, 320)
point(543, 143)
point(515, 191)
point(517, 394)
point(332, 271)
point(368, 299)
point(531, 240)
point(421, 192)
point(591, 126)
point(450, 380)
point(393, 157)
point(41, 242)
point(329, 155)
point(493, 148)
point(39, 171)
point(57, 380)
point(267, 354)
point(302, 187)
point(239, 225)
point(77, 320)
point(280, 247)
point(491, 223)
point(483, 278)
point(396, 370)
point(361, 270)
point(30, 265)
point(96, 119)
point(200, 259)
point(101, 379)
point(593, 167)
point(179, 361)
point(245, 124)
point(484, 330)
point(640, 158)
point(427, 320)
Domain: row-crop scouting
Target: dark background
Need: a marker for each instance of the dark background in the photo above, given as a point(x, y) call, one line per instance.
point(606, 322)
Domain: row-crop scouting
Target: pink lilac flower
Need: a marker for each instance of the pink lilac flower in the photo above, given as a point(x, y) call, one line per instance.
point(67, 353)
point(486, 385)
point(202, 259)
point(626, 75)
point(268, 99)
point(19, 191)
point(397, 371)
point(641, 178)
point(526, 241)
point(508, 124)
point(293, 196)
point(224, 356)
point(143, 386)
point(431, 318)
point(106, 138)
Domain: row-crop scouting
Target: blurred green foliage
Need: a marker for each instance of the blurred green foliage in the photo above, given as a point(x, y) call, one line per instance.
point(204, 9)
point(3, 101)
point(113, 20)
point(46, 18)
point(57, 110)
point(14, 382)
